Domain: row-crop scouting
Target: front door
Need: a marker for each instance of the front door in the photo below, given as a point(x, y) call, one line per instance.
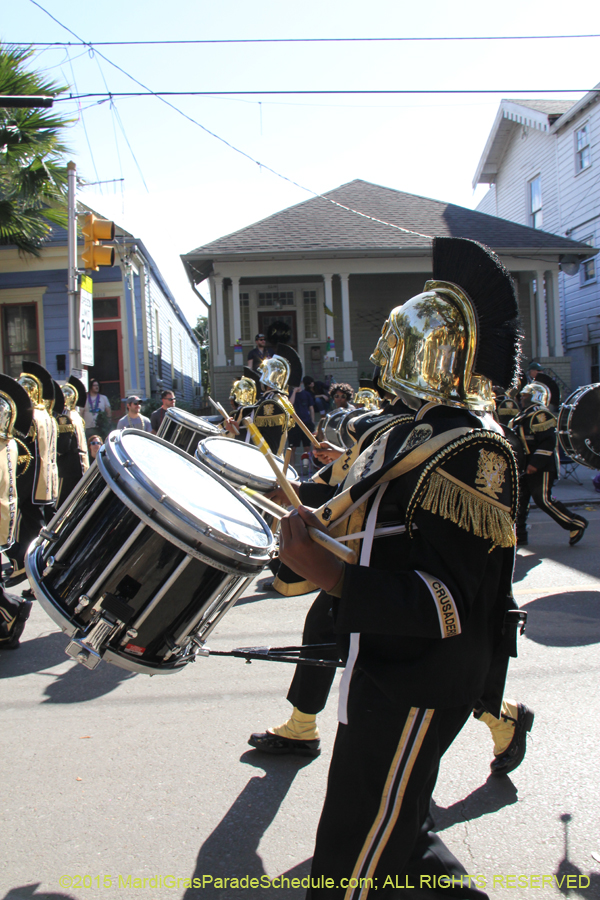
point(108, 361)
point(267, 318)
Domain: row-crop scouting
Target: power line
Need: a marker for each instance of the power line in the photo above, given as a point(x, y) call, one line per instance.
point(333, 92)
point(311, 40)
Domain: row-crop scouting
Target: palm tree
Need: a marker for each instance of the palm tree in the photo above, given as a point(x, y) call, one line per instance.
point(33, 179)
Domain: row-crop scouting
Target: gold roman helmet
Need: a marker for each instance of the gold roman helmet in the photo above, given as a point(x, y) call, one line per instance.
point(70, 395)
point(34, 388)
point(367, 398)
point(243, 392)
point(8, 415)
point(275, 373)
point(536, 394)
point(427, 349)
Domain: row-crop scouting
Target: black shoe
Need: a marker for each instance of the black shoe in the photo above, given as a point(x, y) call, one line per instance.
point(14, 580)
point(577, 535)
point(513, 756)
point(28, 594)
point(18, 627)
point(280, 746)
point(522, 541)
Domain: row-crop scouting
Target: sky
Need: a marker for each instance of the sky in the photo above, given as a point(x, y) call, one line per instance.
point(181, 187)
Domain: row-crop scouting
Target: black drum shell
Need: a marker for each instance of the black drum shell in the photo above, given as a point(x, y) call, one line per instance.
point(578, 426)
point(184, 430)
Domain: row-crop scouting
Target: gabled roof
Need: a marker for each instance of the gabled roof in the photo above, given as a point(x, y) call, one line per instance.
point(543, 115)
point(319, 228)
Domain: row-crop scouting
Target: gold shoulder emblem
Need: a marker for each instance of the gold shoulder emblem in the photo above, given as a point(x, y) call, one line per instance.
point(541, 417)
point(491, 473)
point(268, 409)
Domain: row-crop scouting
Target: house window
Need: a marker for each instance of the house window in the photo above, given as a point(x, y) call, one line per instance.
point(245, 316)
point(19, 336)
point(311, 326)
point(276, 298)
point(595, 368)
point(583, 159)
point(587, 272)
point(106, 308)
point(535, 202)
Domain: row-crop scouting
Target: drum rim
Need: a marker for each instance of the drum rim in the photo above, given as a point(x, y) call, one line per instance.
point(563, 422)
point(270, 484)
point(162, 517)
point(179, 415)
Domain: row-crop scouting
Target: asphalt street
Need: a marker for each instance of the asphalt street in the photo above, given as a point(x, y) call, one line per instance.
point(109, 778)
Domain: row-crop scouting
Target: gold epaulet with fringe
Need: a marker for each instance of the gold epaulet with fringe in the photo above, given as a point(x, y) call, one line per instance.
point(542, 421)
point(266, 421)
point(484, 500)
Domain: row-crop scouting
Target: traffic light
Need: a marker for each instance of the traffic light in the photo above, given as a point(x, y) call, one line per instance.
point(95, 254)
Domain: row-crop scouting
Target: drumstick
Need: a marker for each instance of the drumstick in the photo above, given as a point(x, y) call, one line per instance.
point(342, 552)
point(292, 412)
point(225, 415)
point(267, 505)
point(286, 461)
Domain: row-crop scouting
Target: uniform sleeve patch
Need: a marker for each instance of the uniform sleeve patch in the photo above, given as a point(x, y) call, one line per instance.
point(444, 604)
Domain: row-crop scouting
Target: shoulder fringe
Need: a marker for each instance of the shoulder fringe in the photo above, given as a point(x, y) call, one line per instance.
point(474, 514)
point(271, 421)
point(544, 426)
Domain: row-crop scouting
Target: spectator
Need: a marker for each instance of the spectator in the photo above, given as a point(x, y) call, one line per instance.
point(259, 352)
point(341, 394)
point(168, 401)
point(95, 404)
point(133, 418)
point(304, 405)
point(322, 399)
point(94, 444)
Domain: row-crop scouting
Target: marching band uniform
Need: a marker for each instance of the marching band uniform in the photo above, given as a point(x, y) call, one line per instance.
point(243, 395)
point(536, 428)
point(426, 621)
point(38, 481)
point(16, 416)
point(73, 460)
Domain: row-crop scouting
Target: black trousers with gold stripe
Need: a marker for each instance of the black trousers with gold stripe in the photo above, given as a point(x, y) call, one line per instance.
point(311, 685)
point(539, 486)
point(374, 835)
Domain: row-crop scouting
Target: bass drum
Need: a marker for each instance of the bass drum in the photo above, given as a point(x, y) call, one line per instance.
point(145, 556)
point(242, 465)
point(184, 430)
point(579, 426)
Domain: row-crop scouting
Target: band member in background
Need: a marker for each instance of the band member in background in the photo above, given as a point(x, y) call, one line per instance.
point(37, 482)
point(73, 461)
point(536, 428)
point(536, 373)
point(278, 376)
point(426, 621)
point(16, 417)
point(242, 399)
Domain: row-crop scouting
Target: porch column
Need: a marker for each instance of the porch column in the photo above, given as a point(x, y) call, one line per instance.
point(329, 319)
point(346, 317)
point(541, 320)
point(237, 318)
point(554, 320)
point(217, 292)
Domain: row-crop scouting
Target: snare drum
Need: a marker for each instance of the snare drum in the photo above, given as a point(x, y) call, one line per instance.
point(184, 430)
point(146, 555)
point(243, 465)
point(579, 426)
point(333, 424)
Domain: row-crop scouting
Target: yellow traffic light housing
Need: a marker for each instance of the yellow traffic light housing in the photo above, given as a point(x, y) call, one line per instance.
point(95, 254)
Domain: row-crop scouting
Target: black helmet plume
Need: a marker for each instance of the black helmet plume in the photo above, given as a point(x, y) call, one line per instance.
point(278, 332)
point(478, 271)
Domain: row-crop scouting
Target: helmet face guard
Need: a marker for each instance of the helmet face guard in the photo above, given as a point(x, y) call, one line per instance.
point(71, 395)
point(427, 349)
point(33, 386)
point(536, 394)
point(366, 398)
point(243, 392)
point(275, 373)
point(8, 415)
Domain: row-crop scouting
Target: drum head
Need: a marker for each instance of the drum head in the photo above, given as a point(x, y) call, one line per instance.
point(196, 423)
point(240, 463)
point(579, 426)
point(178, 497)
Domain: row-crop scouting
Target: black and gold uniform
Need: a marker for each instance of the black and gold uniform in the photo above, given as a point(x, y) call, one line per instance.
point(271, 415)
point(16, 416)
point(425, 620)
point(73, 460)
point(38, 481)
point(535, 426)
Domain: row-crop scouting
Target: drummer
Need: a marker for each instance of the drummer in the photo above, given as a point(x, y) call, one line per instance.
point(168, 401)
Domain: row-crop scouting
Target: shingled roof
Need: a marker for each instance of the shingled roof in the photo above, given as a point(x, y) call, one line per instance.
point(319, 228)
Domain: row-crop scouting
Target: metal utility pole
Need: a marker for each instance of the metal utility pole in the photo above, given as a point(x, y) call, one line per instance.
point(73, 311)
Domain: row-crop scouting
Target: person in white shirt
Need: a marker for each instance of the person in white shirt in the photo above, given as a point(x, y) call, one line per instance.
point(94, 404)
